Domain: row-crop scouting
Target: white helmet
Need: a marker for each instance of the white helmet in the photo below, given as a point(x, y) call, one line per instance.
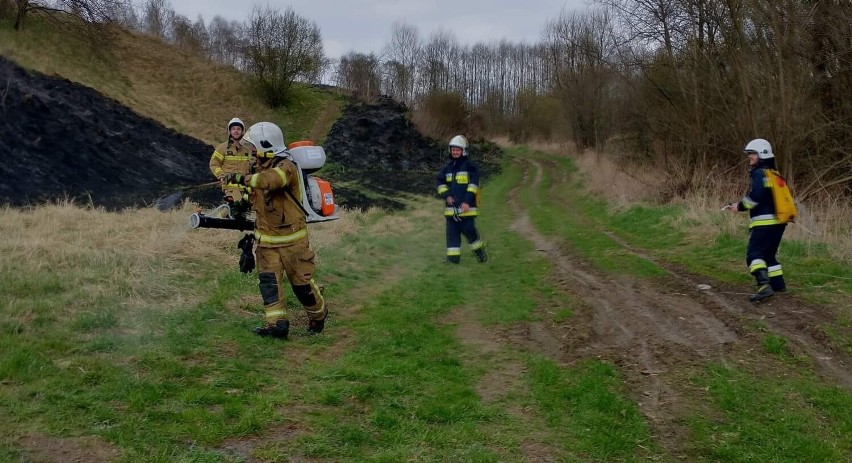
point(459, 142)
point(761, 147)
point(266, 137)
point(236, 121)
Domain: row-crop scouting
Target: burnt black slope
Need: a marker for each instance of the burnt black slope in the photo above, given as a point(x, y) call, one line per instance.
point(382, 150)
point(59, 139)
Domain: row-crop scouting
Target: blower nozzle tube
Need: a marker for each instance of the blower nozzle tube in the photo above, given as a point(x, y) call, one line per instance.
point(198, 220)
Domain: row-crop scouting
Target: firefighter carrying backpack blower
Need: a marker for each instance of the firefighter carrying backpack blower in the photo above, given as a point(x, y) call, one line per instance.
point(281, 232)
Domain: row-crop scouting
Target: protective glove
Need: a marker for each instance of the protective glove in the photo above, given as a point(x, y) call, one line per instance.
point(246, 262)
point(247, 257)
point(236, 178)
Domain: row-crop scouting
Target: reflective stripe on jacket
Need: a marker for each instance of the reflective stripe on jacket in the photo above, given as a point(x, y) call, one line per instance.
point(228, 157)
point(459, 179)
point(758, 201)
point(278, 221)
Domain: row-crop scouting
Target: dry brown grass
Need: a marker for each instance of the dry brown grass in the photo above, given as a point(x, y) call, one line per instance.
point(136, 255)
point(827, 221)
point(180, 90)
point(621, 184)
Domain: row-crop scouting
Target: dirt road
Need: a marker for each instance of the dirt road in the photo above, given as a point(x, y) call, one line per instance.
point(653, 331)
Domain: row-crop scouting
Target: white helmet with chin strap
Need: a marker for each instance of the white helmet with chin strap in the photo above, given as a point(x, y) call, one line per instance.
point(459, 142)
point(236, 121)
point(761, 147)
point(268, 139)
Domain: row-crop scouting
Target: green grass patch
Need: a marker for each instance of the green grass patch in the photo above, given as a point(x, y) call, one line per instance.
point(558, 209)
point(297, 118)
point(775, 344)
point(771, 420)
point(587, 404)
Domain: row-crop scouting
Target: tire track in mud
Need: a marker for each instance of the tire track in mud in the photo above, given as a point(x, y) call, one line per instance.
point(651, 332)
point(646, 332)
point(792, 319)
point(797, 321)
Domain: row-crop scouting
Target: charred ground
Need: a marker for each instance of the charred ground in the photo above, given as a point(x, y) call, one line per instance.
point(376, 147)
point(64, 140)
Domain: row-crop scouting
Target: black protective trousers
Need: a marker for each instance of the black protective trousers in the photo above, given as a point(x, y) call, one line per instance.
point(457, 226)
point(763, 245)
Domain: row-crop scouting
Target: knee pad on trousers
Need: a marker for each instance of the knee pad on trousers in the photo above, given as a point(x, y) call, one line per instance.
point(305, 295)
point(268, 288)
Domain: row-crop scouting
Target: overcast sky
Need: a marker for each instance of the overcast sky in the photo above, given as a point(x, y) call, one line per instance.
point(365, 25)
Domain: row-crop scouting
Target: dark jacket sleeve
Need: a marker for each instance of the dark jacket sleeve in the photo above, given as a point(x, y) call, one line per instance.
point(757, 193)
point(473, 182)
point(441, 186)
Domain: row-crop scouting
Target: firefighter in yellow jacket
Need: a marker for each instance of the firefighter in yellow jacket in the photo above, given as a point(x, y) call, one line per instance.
point(233, 156)
point(283, 248)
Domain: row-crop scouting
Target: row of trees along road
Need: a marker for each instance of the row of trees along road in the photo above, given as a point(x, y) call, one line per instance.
point(680, 82)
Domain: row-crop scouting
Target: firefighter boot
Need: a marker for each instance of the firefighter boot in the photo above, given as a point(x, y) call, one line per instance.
point(281, 329)
point(481, 255)
point(778, 284)
point(764, 288)
point(316, 326)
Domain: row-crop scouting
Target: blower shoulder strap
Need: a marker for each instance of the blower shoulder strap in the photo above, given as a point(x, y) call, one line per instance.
point(298, 203)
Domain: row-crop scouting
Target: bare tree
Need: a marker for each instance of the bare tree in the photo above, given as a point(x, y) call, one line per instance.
point(157, 17)
point(701, 77)
point(124, 13)
point(281, 47)
point(192, 37)
point(581, 48)
point(437, 61)
point(93, 12)
point(401, 54)
point(360, 74)
point(226, 42)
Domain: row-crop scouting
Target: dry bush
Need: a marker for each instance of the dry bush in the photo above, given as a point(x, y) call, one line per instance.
point(539, 117)
point(441, 115)
point(621, 182)
point(625, 182)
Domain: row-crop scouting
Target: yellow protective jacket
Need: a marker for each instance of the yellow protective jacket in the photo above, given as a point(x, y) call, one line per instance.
point(230, 157)
point(279, 221)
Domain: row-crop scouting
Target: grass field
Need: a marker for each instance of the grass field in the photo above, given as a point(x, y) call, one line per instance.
point(126, 337)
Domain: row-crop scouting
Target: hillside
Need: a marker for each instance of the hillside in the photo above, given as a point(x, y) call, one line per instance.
point(117, 127)
point(69, 140)
point(183, 92)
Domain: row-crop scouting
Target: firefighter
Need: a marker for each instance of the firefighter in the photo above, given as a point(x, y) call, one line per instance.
point(458, 185)
point(233, 156)
point(765, 230)
point(281, 232)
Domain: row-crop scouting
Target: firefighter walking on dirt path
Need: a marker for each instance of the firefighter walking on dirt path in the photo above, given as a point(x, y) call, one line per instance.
point(458, 184)
point(229, 157)
point(281, 232)
point(765, 228)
